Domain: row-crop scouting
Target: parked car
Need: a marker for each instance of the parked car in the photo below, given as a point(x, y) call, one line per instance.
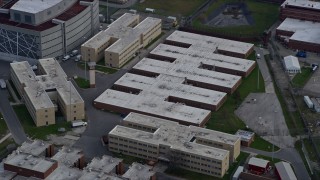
point(78, 58)
point(3, 84)
point(302, 54)
point(79, 123)
point(67, 57)
point(74, 53)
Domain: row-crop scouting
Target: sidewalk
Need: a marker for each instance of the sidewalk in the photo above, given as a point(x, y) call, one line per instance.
point(5, 138)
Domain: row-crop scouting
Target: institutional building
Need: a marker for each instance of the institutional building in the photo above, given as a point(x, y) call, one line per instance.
point(300, 34)
point(47, 92)
point(300, 9)
point(34, 29)
point(190, 147)
point(121, 40)
point(183, 81)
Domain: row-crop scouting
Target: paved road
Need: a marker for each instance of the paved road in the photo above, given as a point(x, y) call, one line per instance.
point(287, 154)
point(263, 67)
point(8, 113)
point(11, 118)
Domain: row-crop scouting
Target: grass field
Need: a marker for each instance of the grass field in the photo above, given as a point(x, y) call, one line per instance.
point(190, 175)
point(262, 144)
point(3, 126)
point(37, 132)
point(82, 83)
point(300, 79)
point(170, 7)
point(264, 15)
point(103, 68)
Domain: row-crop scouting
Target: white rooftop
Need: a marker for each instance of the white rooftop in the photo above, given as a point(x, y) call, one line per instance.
point(164, 86)
point(258, 162)
point(68, 156)
point(285, 170)
point(306, 31)
point(139, 171)
point(65, 173)
point(34, 6)
point(106, 164)
point(208, 43)
point(291, 62)
point(29, 162)
point(54, 79)
point(175, 135)
point(303, 3)
point(189, 71)
point(34, 147)
point(192, 55)
point(244, 135)
point(153, 105)
point(122, 33)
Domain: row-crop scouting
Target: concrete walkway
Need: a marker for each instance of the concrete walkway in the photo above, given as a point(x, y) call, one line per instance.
point(263, 67)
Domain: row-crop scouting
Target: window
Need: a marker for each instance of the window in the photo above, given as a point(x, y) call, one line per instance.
point(46, 116)
point(46, 110)
point(74, 111)
point(27, 18)
point(17, 17)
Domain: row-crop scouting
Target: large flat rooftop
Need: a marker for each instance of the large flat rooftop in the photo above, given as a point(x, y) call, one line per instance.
point(153, 105)
point(164, 86)
point(303, 4)
point(210, 44)
point(176, 136)
point(34, 6)
point(65, 173)
point(192, 55)
point(30, 162)
point(305, 31)
point(92, 175)
point(138, 171)
point(68, 156)
point(123, 32)
point(106, 164)
point(54, 79)
point(33, 147)
point(180, 68)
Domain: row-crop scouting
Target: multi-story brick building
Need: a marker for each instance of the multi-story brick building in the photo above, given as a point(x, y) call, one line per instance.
point(193, 148)
point(300, 9)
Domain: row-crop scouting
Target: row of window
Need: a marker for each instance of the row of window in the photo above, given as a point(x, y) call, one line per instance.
point(199, 169)
point(202, 164)
point(133, 147)
point(197, 157)
point(133, 142)
point(132, 153)
point(141, 127)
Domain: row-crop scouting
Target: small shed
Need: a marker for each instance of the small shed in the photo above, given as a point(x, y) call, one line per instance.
point(150, 10)
point(291, 64)
point(284, 171)
point(247, 137)
point(258, 166)
point(237, 173)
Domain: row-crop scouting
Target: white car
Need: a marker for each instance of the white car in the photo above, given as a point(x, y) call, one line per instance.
point(67, 57)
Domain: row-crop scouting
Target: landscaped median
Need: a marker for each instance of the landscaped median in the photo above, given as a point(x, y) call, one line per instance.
point(98, 67)
point(82, 83)
point(300, 79)
point(38, 132)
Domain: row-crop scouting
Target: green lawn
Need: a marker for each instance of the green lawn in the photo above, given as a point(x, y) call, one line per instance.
point(103, 68)
point(156, 39)
point(170, 7)
point(3, 126)
point(262, 144)
point(300, 79)
point(82, 83)
point(190, 175)
point(128, 159)
point(311, 151)
point(37, 132)
point(3, 147)
point(224, 119)
point(264, 15)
